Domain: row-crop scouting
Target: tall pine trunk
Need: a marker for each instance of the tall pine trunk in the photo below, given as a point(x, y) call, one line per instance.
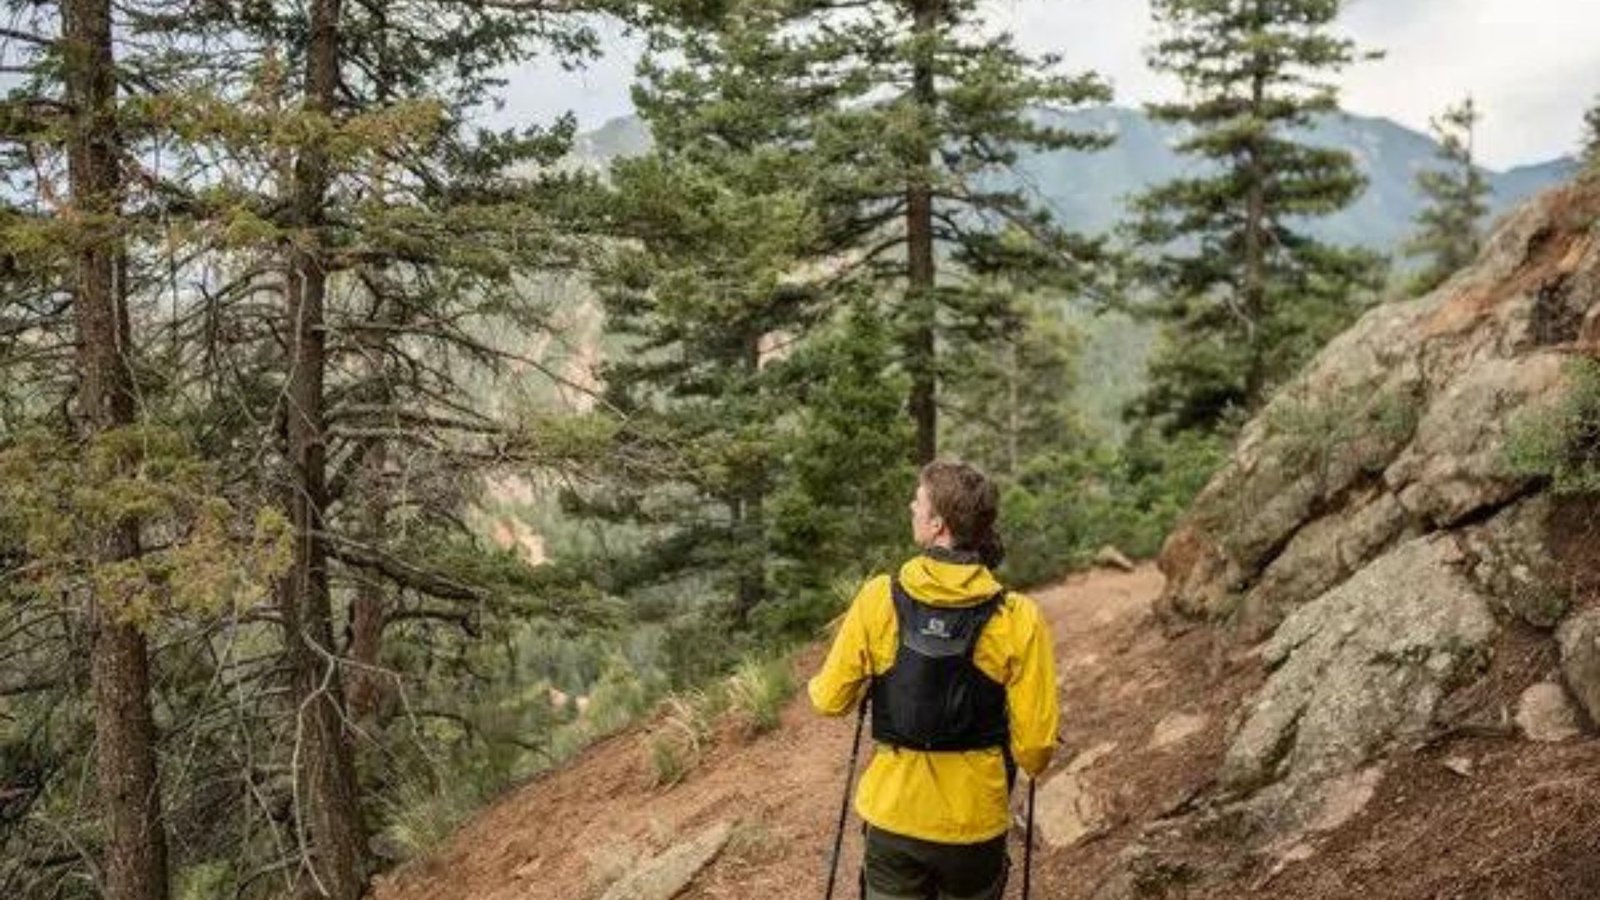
point(920, 270)
point(749, 515)
point(325, 773)
point(1255, 281)
point(368, 607)
point(135, 855)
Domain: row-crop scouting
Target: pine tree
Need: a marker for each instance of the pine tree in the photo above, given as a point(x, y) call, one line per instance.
point(1244, 293)
point(405, 237)
point(971, 106)
point(925, 113)
point(1016, 399)
point(103, 501)
point(135, 860)
point(706, 293)
point(1448, 228)
point(1591, 136)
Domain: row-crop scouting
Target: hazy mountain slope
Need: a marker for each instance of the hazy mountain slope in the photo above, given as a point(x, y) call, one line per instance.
point(1087, 190)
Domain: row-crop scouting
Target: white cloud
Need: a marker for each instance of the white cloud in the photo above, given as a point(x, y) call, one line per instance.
point(1533, 66)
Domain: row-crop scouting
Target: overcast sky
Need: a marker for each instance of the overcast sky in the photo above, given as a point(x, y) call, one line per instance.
point(1533, 65)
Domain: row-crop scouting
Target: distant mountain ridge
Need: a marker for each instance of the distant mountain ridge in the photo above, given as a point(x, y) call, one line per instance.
point(1087, 191)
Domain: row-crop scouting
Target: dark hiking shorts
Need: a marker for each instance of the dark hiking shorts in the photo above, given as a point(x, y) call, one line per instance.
point(897, 867)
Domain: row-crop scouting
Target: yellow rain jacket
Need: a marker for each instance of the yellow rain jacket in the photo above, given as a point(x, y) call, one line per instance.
point(954, 797)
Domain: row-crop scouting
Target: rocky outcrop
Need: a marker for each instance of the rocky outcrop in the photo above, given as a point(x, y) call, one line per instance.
point(1361, 664)
point(1368, 524)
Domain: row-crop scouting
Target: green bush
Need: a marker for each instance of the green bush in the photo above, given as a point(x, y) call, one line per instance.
point(420, 811)
point(669, 763)
point(1062, 507)
point(758, 690)
point(1560, 441)
point(204, 881)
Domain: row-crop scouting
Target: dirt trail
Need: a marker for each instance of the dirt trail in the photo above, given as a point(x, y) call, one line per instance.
point(1152, 712)
point(563, 833)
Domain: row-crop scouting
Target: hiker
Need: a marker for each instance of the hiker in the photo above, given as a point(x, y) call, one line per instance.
point(960, 676)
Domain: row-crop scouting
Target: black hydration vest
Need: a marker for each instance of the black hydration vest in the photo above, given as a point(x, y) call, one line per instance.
point(934, 697)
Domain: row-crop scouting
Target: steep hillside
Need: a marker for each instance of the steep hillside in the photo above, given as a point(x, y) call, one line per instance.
point(1129, 808)
point(1142, 732)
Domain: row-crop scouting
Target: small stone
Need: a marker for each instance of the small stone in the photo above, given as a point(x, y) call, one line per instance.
point(1544, 714)
point(1459, 765)
point(1175, 728)
point(528, 869)
point(1111, 557)
point(1065, 812)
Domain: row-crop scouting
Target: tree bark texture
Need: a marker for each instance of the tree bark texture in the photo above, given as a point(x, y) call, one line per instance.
point(329, 805)
point(134, 858)
point(921, 273)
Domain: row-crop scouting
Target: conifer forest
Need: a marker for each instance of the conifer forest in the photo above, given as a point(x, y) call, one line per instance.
point(360, 460)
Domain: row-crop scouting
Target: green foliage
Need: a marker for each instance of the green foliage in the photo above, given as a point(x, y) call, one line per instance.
point(1063, 506)
point(681, 735)
point(668, 762)
point(1244, 294)
point(1448, 228)
point(1560, 441)
point(752, 698)
point(840, 508)
point(62, 502)
point(203, 881)
point(758, 690)
point(419, 812)
point(880, 100)
point(1011, 399)
point(1312, 435)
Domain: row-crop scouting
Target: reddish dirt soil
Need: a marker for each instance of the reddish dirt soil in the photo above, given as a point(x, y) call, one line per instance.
point(1525, 823)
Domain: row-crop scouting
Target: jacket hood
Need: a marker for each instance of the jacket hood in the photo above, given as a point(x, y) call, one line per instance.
point(942, 583)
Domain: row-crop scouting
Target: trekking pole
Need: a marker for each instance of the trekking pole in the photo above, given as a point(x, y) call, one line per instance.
point(1027, 846)
point(844, 805)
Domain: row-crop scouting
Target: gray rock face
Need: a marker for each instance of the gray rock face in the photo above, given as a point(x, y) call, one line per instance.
point(1580, 659)
point(1511, 562)
point(1323, 554)
point(1453, 466)
point(1409, 406)
point(1369, 526)
point(1364, 662)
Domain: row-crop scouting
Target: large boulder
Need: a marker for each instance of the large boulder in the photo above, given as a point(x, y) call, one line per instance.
point(1324, 553)
point(1363, 663)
